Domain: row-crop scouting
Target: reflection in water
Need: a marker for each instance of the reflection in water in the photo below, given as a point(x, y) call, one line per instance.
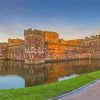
point(46, 73)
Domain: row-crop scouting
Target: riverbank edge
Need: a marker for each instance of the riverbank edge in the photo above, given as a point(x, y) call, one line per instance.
point(47, 91)
point(50, 61)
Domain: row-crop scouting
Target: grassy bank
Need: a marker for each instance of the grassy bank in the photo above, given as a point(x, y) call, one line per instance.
point(43, 92)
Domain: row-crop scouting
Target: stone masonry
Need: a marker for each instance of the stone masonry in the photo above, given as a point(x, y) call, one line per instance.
point(46, 46)
point(3, 50)
point(34, 46)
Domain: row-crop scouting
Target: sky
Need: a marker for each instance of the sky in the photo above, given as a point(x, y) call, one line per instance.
point(72, 19)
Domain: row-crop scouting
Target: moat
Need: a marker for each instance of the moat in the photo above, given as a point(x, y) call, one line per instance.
point(16, 74)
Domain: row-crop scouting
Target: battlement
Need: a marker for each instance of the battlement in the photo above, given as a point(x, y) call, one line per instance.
point(51, 36)
point(93, 37)
point(46, 46)
point(15, 42)
point(3, 44)
point(30, 32)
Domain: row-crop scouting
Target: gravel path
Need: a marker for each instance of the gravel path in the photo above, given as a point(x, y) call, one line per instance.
point(92, 92)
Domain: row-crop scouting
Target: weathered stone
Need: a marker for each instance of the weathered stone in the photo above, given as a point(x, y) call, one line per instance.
point(44, 46)
point(34, 47)
point(15, 42)
point(16, 52)
point(3, 50)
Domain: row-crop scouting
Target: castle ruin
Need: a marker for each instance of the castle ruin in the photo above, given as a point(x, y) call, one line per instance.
point(46, 46)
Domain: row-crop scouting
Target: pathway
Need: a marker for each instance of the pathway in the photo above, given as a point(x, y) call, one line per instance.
point(91, 92)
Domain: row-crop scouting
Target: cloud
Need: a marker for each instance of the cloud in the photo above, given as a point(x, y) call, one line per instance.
point(66, 31)
point(3, 33)
point(9, 31)
point(69, 31)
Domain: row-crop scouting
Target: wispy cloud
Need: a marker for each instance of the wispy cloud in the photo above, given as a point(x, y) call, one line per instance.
point(66, 31)
point(69, 31)
point(9, 31)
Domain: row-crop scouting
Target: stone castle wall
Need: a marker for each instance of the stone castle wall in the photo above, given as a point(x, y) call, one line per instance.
point(34, 46)
point(3, 50)
point(93, 44)
point(16, 53)
point(16, 49)
point(45, 46)
point(15, 42)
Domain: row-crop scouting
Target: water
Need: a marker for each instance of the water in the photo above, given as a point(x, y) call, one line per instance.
point(67, 77)
point(11, 81)
point(16, 74)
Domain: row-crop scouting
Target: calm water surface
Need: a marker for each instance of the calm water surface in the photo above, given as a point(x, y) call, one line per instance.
point(16, 74)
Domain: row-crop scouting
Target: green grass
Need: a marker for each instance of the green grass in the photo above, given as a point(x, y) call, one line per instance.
point(43, 92)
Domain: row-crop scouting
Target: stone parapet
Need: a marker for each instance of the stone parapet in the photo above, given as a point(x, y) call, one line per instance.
point(15, 42)
point(51, 37)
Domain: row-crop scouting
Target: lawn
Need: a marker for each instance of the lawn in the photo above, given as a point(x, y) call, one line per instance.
point(43, 92)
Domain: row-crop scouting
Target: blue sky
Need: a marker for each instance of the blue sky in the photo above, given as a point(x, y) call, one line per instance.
point(70, 18)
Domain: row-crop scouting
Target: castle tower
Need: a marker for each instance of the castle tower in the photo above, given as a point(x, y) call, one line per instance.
point(34, 46)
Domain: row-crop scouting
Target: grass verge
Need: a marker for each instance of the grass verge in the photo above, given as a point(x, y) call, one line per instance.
point(43, 92)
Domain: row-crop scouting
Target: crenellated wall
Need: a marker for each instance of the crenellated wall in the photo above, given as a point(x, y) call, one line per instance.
point(15, 42)
point(93, 44)
point(45, 46)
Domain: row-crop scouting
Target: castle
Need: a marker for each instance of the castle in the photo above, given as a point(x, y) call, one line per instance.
point(46, 46)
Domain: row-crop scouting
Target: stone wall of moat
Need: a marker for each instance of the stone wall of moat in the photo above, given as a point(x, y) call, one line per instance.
point(46, 46)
